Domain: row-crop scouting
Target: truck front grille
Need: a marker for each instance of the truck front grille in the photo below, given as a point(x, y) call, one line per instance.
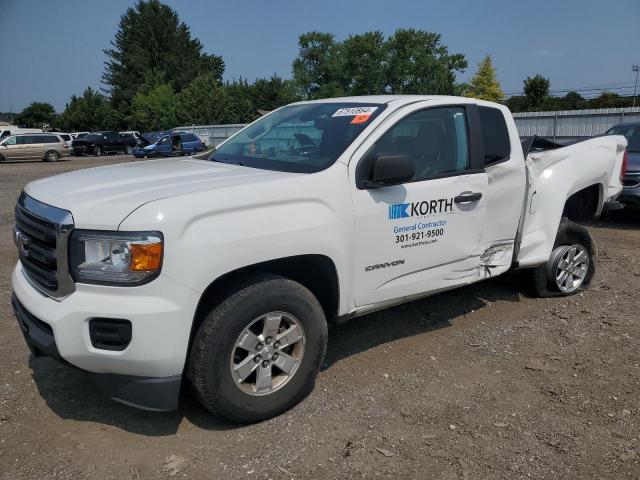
point(41, 234)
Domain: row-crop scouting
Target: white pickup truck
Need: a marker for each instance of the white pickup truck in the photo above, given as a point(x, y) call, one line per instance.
point(225, 271)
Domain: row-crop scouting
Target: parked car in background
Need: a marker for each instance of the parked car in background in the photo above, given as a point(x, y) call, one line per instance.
point(67, 137)
point(6, 130)
point(79, 134)
point(152, 137)
point(174, 144)
point(49, 147)
point(631, 182)
point(99, 143)
point(140, 140)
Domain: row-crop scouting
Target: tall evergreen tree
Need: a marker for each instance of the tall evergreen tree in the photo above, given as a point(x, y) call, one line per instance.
point(151, 37)
point(484, 84)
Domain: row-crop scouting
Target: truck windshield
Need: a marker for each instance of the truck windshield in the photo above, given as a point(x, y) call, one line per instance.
point(303, 138)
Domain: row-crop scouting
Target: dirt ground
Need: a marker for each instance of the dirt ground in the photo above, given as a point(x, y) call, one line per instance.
point(480, 383)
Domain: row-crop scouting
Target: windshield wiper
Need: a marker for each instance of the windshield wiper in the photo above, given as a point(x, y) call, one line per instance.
point(227, 161)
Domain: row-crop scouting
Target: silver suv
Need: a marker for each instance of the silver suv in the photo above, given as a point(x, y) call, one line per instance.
point(49, 147)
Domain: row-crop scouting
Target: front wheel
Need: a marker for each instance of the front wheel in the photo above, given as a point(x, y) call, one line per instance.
point(128, 149)
point(258, 352)
point(97, 151)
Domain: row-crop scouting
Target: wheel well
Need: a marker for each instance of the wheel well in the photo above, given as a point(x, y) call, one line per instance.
point(316, 272)
point(583, 204)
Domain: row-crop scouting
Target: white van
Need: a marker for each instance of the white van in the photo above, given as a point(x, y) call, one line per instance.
point(6, 130)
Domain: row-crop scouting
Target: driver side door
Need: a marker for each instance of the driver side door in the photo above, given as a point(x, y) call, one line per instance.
point(421, 235)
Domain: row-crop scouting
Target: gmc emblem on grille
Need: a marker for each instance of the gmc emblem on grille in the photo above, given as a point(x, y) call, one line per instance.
point(21, 241)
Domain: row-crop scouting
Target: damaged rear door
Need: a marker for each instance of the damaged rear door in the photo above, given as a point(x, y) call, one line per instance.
point(425, 234)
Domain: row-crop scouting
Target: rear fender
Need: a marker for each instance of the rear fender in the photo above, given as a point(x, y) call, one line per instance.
point(555, 176)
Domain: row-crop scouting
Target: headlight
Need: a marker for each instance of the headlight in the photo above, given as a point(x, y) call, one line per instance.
point(115, 258)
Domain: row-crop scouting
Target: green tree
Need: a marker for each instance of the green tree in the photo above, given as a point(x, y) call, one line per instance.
point(203, 101)
point(536, 91)
point(240, 108)
point(610, 100)
point(484, 84)
point(269, 94)
point(418, 63)
point(154, 107)
point(572, 101)
point(314, 68)
point(91, 112)
point(151, 37)
point(37, 115)
point(410, 61)
point(362, 63)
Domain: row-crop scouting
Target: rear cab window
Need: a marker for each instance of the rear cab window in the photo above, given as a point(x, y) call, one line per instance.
point(495, 135)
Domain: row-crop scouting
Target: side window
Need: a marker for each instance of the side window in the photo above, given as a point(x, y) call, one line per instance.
point(10, 141)
point(5, 133)
point(52, 139)
point(66, 138)
point(495, 136)
point(435, 139)
point(188, 138)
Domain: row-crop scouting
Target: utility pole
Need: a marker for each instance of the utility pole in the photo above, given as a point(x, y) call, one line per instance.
point(635, 68)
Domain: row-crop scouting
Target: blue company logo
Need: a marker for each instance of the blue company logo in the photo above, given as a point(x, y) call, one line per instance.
point(398, 211)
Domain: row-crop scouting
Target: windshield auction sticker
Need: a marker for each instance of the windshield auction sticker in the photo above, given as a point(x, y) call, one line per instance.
point(354, 111)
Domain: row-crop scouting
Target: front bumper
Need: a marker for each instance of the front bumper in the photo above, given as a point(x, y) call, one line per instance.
point(148, 393)
point(148, 372)
point(81, 149)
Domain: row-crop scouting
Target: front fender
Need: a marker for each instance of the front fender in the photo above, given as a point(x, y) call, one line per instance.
point(208, 234)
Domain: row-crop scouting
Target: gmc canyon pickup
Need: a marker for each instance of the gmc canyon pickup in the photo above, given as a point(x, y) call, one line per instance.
point(225, 271)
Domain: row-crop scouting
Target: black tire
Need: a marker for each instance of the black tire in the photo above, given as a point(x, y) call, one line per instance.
point(1, 159)
point(541, 279)
point(128, 150)
point(97, 151)
point(51, 156)
point(211, 352)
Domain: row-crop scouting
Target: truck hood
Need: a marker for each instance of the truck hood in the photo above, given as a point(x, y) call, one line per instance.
point(102, 197)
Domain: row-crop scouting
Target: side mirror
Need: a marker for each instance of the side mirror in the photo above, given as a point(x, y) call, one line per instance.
point(390, 170)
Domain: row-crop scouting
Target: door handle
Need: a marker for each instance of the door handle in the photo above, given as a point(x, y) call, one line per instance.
point(468, 197)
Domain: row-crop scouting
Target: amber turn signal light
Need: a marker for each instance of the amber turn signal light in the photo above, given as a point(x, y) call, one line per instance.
point(146, 256)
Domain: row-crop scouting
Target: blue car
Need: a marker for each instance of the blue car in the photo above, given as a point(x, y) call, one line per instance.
point(173, 144)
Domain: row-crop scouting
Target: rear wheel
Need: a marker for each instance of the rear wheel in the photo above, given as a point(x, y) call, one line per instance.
point(1, 159)
point(258, 352)
point(97, 151)
point(128, 149)
point(571, 265)
point(51, 156)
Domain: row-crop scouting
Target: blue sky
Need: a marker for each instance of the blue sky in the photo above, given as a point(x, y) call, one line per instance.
point(51, 50)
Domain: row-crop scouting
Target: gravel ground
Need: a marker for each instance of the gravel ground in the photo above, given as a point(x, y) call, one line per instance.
point(479, 383)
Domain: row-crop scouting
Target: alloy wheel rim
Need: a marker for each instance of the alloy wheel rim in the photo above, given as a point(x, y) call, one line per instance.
point(572, 269)
point(267, 354)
